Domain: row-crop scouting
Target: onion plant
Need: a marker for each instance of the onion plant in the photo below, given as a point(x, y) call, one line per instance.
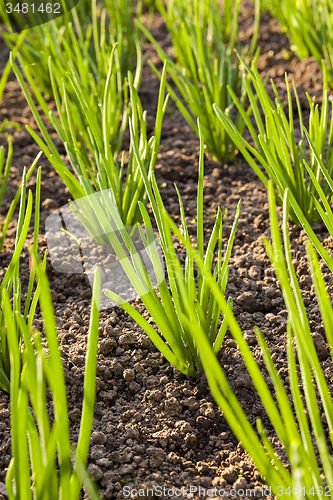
point(88, 140)
point(204, 41)
point(11, 282)
point(81, 39)
point(40, 467)
point(84, 85)
point(11, 279)
point(51, 40)
point(322, 201)
point(309, 26)
point(5, 161)
point(217, 20)
point(277, 150)
point(295, 417)
point(167, 304)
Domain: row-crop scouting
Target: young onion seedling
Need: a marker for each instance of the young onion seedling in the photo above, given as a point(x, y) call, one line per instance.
point(5, 162)
point(88, 141)
point(295, 415)
point(85, 88)
point(286, 161)
point(322, 202)
point(81, 39)
point(11, 283)
point(41, 467)
point(168, 306)
point(309, 26)
point(204, 40)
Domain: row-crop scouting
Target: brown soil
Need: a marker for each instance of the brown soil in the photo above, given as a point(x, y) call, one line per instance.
point(153, 426)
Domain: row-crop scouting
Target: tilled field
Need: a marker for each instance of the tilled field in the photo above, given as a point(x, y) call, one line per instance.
point(153, 426)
